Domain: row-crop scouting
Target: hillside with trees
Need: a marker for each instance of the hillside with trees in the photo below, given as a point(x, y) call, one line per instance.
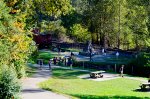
point(113, 24)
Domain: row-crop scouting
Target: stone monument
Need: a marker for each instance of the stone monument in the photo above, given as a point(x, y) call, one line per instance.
point(87, 47)
point(88, 50)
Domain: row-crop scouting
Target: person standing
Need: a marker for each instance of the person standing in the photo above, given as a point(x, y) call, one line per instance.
point(149, 79)
point(49, 63)
point(54, 60)
point(103, 51)
point(72, 54)
point(71, 63)
point(41, 63)
point(121, 70)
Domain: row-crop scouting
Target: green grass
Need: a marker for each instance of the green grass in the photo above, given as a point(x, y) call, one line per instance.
point(47, 55)
point(72, 49)
point(66, 82)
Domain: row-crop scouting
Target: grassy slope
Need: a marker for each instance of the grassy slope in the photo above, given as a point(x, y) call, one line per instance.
point(46, 56)
point(66, 82)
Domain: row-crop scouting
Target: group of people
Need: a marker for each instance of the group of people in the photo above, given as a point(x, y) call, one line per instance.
point(59, 61)
point(56, 60)
point(40, 62)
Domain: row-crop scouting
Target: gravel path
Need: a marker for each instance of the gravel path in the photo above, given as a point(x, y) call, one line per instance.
point(31, 90)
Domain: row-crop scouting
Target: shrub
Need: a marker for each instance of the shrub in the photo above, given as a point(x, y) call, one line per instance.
point(109, 67)
point(94, 65)
point(33, 57)
point(141, 64)
point(9, 85)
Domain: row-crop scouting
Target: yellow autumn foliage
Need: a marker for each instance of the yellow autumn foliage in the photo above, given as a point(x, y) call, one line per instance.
point(11, 3)
point(19, 25)
point(15, 44)
point(20, 46)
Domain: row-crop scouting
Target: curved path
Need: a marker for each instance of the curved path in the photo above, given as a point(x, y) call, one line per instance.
point(31, 90)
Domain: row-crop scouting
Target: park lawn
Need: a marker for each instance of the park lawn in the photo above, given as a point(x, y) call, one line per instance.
point(66, 82)
point(72, 49)
point(47, 55)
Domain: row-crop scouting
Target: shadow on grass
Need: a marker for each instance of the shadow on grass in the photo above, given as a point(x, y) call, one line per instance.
point(67, 74)
point(108, 97)
point(144, 90)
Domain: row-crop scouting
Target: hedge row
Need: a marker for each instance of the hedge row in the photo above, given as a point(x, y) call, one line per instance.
point(135, 67)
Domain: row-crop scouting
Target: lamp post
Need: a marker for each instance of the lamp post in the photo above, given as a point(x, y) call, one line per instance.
point(90, 54)
point(83, 64)
point(133, 66)
point(117, 54)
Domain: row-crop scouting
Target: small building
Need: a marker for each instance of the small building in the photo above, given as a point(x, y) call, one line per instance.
point(43, 40)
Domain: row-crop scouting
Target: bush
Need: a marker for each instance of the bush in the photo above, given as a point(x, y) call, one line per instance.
point(109, 67)
point(33, 57)
point(141, 64)
point(9, 85)
point(94, 65)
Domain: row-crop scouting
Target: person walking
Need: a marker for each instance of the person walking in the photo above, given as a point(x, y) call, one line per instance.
point(121, 70)
point(41, 63)
point(54, 60)
point(49, 63)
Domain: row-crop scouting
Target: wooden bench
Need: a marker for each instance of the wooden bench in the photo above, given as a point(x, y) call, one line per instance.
point(97, 74)
point(144, 86)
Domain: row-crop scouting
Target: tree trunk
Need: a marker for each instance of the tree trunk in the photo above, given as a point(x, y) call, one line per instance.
point(97, 37)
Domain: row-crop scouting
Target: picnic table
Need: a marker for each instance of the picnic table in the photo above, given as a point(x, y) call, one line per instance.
point(97, 74)
point(144, 85)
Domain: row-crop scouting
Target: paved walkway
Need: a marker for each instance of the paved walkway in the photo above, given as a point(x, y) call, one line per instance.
point(137, 78)
point(31, 90)
point(109, 76)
